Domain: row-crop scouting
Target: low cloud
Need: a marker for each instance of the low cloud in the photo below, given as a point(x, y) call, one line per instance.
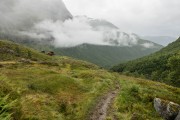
point(76, 31)
point(44, 19)
point(148, 45)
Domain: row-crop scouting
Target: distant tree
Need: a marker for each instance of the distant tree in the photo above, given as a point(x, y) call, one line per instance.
point(174, 75)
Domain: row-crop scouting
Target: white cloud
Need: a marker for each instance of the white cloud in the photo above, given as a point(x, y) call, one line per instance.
point(70, 33)
point(148, 45)
point(77, 31)
point(47, 19)
point(144, 17)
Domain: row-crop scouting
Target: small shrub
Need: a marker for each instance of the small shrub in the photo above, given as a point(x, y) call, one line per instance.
point(134, 90)
point(63, 108)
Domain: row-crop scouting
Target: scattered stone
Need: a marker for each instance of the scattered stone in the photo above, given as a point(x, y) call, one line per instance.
point(23, 60)
point(168, 110)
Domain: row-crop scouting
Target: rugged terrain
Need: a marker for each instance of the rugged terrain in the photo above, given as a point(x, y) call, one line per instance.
point(37, 86)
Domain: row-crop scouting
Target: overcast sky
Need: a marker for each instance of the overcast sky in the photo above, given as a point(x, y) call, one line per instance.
point(144, 17)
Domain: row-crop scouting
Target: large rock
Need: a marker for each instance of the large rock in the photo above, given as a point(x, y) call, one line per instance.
point(168, 110)
point(178, 117)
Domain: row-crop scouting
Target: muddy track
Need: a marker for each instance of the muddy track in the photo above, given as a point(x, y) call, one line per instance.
point(101, 109)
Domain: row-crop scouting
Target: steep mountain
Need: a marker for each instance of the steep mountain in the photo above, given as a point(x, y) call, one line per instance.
point(162, 66)
point(37, 86)
point(22, 15)
point(117, 46)
point(113, 47)
point(105, 55)
point(19, 19)
point(162, 40)
point(98, 23)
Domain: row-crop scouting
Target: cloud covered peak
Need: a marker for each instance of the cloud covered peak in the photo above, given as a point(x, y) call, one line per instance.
point(50, 20)
point(22, 14)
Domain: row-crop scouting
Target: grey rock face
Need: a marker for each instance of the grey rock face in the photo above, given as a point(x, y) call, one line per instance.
point(178, 116)
point(168, 110)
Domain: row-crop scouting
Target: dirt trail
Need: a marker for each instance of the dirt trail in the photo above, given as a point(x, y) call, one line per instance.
point(101, 110)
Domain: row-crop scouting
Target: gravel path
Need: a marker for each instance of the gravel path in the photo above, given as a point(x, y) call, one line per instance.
point(101, 110)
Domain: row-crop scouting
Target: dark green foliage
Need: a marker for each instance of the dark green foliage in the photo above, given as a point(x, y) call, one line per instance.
point(5, 108)
point(174, 74)
point(163, 66)
point(106, 56)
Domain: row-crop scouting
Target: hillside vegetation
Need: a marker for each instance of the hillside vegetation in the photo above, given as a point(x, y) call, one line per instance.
point(105, 56)
point(163, 66)
point(62, 88)
point(13, 51)
point(135, 99)
point(50, 88)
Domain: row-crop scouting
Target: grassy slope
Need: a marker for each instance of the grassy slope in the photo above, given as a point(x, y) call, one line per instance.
point(12, 51)
point(60, 88)
point(162, 66)
point(135, 100)
point(66, 89)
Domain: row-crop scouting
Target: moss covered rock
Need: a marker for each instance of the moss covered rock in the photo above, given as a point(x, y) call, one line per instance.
point(168, 110)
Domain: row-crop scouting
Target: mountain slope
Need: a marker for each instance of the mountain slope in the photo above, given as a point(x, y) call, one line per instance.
point(106, 56)
point(162, 66)
point(162, 40)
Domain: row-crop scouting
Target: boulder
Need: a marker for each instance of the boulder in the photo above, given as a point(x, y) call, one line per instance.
point(168, 110)
point(178, 116)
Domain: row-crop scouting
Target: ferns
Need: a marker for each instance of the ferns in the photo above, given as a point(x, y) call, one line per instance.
point(5, 108)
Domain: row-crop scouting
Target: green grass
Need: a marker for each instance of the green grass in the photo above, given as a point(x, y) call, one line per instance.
point(135, 100)
point(62, 88)
point(65, 91)
point(13, 51)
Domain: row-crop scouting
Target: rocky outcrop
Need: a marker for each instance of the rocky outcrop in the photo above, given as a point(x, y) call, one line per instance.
point(168, 110)
point(178, 116)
